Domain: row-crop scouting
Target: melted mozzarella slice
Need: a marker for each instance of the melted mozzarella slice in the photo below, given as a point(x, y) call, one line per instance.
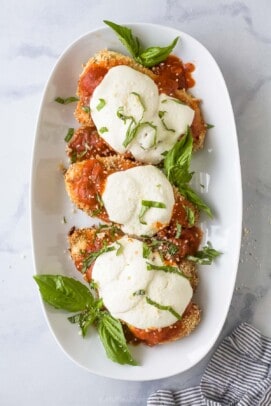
point(130, 115)
point(130, 198)
point(125, 285)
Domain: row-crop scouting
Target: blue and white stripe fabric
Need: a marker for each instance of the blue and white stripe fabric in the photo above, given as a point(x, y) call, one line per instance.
point(239, 373)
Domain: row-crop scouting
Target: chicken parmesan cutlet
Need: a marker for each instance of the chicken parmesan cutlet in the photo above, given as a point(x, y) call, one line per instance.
point(151, 295)
point(138, 110)
point(138, 198)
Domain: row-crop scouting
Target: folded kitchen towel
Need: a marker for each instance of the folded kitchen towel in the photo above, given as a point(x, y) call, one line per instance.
point(238, 374)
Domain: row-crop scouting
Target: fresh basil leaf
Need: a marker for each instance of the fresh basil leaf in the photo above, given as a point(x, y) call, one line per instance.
point(205, 256)
point(150, 56)
point(179, 157)
point(154, 55)
point(112, 337)
point(69, 134)
point(194, 198)
point(162, 307)
point(209, 126)
point(84, 319)
point(64, 293)
point(126, 37)
point(176, 166)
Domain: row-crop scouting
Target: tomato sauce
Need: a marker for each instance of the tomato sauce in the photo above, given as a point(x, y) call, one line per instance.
point(90, 80)
point(86, 143)
point(172, 75)
point(156, 336)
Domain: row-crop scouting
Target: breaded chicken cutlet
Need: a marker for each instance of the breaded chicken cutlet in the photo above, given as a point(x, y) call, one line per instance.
point(85, 182)
point(84, 243)
point(97, 67)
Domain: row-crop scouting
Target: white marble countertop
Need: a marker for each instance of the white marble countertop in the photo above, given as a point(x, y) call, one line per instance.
point(33, 370)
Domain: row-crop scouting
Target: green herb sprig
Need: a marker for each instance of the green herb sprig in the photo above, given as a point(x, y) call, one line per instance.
point(88, 261)
point(177, 169)
point(71, 295)
point(205, 256)
point(148, 57)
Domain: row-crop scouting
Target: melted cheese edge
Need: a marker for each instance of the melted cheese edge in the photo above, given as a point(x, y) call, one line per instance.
point(123, 195)
point(119, 277)
point(160, 119)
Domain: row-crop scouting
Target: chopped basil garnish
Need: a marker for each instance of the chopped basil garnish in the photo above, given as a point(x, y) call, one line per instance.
point(99, 200)
point(162, 307)
point(146, 250)
point(178, 230)
point(141, 103)
point(93, 285)
point(140, 292)
point(152, 203)
point(166, 127)
point(120, 249)
point(68, 100)
point(73, 157)
point(86, 109)
point(103, 130)
point(130, 134)
point(69, 134)
point(167, 245)
point(205, 256)
point(190, 215)
point(71, 295)
point(208, 126)
point(148, 57)
point(164, 268)
point(101, 104)
point(146, 205)
point(122, 116)
point(161, 114)
point(93, 256)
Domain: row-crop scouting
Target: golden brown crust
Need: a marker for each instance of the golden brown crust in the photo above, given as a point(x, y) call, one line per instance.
point(107, 59)
point(182, 328)
point(80, 175)
point(83, 241)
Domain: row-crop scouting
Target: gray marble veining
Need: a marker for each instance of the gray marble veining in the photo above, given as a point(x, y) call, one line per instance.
point(238, 33)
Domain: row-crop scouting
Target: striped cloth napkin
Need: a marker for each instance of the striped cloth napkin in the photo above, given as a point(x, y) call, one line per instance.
point(239, 373)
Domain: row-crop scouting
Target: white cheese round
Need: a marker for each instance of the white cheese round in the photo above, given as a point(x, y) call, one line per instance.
point(125, 285)
point(126, 192)
point(127, 100)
